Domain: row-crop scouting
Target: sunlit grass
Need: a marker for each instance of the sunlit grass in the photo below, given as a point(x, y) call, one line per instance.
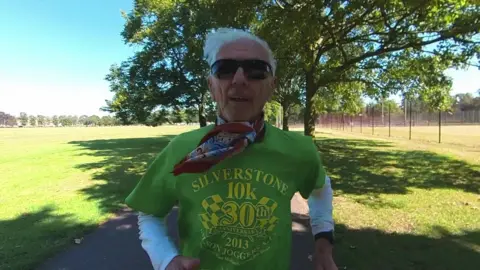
point(418, 200)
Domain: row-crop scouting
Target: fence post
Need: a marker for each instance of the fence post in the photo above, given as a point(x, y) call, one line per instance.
point(439, 126)
point(410, 109)
point(389, 125)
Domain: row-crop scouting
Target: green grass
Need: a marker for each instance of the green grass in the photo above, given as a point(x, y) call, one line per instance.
point(58, 183)
point(402, 205)
point(460, 136)
point(398, 204)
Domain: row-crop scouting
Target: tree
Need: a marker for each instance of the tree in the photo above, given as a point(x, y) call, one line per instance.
point(33, 120)
point(106, 120)
point(55, 120)
point(83, 120)
point(158, 117)
point(332, 38)
point(73, 119)
point(41, 120)
point(23, 118)
point(169, 70)
point(93, 120)
point(290, 89)
point(178, 116)
point(7, 120)
point(48, 120)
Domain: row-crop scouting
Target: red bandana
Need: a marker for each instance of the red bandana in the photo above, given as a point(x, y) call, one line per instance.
point(225, 140)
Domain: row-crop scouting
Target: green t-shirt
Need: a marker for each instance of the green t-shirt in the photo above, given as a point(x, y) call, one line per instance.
point(237, 215)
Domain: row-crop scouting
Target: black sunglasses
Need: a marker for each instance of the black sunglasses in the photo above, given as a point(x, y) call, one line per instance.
point(254, 69)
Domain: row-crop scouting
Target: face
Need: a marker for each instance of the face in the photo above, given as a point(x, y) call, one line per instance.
point(241, 93)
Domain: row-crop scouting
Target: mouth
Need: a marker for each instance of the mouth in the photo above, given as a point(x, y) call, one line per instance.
point(239, 99)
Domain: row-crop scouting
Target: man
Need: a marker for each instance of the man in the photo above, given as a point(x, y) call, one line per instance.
point(233, 181)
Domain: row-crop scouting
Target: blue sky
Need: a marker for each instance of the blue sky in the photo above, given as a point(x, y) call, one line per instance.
point(54, 55)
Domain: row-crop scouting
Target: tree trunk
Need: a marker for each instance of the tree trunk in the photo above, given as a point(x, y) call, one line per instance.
point(309, 117)
point(383, 117)
point(202, 119)
point(285, 115)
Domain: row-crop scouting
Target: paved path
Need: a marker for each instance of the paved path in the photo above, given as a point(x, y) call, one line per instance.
point(115, 245)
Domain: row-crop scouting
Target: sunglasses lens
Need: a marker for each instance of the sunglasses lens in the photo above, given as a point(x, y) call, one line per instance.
point(224, 69)
point(254, 69)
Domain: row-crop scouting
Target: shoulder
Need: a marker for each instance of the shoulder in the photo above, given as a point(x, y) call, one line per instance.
point(192, 136)
point(293, 142)
point(185, 142)
point(292, 139)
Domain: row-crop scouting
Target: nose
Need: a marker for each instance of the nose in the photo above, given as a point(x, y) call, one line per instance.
point(239, 77)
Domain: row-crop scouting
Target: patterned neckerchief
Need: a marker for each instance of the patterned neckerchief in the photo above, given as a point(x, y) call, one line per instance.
point(223, 141)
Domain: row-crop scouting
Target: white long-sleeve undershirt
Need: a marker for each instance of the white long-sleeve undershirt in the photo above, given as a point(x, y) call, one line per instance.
point(320, 205)
point(161, 250)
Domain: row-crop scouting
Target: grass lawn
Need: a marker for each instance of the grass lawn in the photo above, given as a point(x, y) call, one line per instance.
point(460, 136)
point(398, 204)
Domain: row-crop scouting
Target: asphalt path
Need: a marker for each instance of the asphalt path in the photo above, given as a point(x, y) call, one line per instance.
point(115, 244)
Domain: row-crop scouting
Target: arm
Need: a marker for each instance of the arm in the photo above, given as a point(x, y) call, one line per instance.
point(155, 241)
point(320, 204)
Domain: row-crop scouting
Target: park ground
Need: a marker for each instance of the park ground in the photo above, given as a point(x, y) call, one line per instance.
point(399, 203)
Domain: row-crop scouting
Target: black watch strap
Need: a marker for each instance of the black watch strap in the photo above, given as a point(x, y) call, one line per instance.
point(325, 235)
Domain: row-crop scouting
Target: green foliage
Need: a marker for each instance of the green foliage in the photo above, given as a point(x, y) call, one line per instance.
point(32, 120)
point(41, 120)
point(465, 102)
point(55, 120)
point(365, 41)
point(23, 118)
point(273, 111)
point(343, 51)
point(7, 120)
point(169, 69)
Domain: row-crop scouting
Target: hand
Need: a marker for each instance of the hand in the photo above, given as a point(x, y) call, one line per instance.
point(183, 263)
point(323, 256)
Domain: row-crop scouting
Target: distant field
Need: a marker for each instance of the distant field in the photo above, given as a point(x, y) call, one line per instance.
point(399, 204)
point(463, 135)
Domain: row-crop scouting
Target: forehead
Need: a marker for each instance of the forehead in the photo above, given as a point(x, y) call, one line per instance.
point(243, 49)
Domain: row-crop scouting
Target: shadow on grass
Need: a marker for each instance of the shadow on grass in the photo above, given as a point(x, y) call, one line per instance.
point(49, 230)
point(373, 167)
point(368, 249)
point(116, 246)
point(124, 162)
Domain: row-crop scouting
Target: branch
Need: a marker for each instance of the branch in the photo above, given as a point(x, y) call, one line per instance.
point(384, 50)
point(335, 42)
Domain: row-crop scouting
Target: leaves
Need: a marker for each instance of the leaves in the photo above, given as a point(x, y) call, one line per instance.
point(330, 53)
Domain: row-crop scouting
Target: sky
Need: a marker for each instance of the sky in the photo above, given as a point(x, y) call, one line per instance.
point(54, 55)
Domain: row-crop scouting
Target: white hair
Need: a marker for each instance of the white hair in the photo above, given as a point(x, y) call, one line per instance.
point(216, 39)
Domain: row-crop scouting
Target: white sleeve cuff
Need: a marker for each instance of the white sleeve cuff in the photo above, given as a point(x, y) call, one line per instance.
point(155, 241)
point(320, 204)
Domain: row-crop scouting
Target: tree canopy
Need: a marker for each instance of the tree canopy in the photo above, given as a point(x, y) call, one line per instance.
point(330, 53)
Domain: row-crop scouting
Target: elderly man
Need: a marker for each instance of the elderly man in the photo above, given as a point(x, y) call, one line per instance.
point(233, 181)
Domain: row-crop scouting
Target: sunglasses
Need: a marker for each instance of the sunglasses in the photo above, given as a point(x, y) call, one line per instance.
point(252, 68)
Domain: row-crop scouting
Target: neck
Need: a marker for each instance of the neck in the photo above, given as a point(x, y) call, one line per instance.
point(251, 120)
